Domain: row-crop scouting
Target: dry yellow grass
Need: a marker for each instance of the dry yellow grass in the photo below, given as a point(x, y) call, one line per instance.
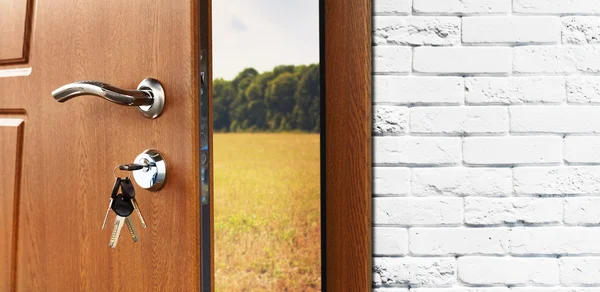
point(267, 212)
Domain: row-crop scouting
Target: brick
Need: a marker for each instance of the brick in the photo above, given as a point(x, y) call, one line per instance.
point(514, 90)
point(511, 29)
point(414, 271)
point(391, 181)
point(584, 210)
point(458, 241)
point(554, 119)
point(555, 289)
point(419, 30)
point(409, 211)
point(557, 6)
point(577, 180)
point(512, 150)
point(556, 59)
point(418, 90)
point(462, 60)
point(582, 149)
point(459, 120)
point(478, 270)
point(391, 59)
point(390, 290)
point(491, 211)
point(390, 241)
point(581, 30)
point(583, 89)
point(392, 6)
point(580, 271)
point(462, 289)
point(554, 240)
point(461, 181)
point(416, 150)
point(462, 6)
point(389, 119)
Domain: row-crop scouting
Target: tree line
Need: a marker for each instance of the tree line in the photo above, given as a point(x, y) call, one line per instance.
point(285, 99)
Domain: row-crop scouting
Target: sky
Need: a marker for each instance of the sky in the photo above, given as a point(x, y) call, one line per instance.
point(263, 34)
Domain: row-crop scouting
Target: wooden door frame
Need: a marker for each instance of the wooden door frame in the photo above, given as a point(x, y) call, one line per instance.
point(346, 179)
point(346, 144)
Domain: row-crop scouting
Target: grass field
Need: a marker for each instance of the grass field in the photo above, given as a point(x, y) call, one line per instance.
point(267, 212)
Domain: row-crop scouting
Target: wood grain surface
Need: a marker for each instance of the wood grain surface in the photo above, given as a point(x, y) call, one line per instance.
point(71, 148)
point(15, 30)
point(11, 146)
point(348, 145)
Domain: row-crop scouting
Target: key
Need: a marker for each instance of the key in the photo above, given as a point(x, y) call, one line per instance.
point(113, 195)
point(123, 208)
point(129, 192)
point(114, 237)
point(132, 231)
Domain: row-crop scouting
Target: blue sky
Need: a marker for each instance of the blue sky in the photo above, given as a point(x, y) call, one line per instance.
point(263, 34)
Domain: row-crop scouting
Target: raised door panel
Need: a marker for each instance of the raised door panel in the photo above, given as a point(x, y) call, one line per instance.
point(15, 19)
point(11, 141)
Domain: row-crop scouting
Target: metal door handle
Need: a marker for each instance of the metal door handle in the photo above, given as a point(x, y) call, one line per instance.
point(149, 96)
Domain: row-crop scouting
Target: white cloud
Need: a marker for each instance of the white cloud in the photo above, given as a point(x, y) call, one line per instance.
point(263, 34)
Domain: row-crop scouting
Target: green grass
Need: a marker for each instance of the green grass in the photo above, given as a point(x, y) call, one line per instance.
point(267, 212)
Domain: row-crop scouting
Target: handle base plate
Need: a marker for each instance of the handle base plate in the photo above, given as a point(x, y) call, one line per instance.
point(153, 87)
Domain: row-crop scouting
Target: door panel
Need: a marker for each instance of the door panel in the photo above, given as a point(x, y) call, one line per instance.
point(14, 30)
point(11, 142)
point(71, 148)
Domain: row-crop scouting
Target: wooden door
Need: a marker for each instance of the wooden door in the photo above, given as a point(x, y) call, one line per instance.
point(57, 159)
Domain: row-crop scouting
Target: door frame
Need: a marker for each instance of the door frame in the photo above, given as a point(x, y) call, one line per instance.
point(346, 177)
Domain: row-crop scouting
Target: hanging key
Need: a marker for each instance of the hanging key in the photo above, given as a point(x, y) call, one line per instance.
point(123, 208)
point(132, 231)
point(113, 195)
point(129, 192)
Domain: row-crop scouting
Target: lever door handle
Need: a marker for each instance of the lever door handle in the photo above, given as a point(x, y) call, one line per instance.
point(149, 96)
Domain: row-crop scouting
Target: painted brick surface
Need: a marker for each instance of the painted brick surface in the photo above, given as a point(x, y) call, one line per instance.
point(419, 30)
point(560, 120)
point(557, 6)
point(417, 150)
point(508, 211)
point(459, 120)
point(388, 119)
point(583, 89)
point(519, 90)
point(462, 181)
point(392, 6)
point(461, 6)
point(486, 148)
point(581, 211)
point(512, 150)
point(479, 270)
point(462, 60)
point(388, 60)
point(459, 241)
point(511, 30)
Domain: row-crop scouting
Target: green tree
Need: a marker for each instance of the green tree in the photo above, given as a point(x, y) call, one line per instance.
point(222, 96)
point(283, 69)
point(280, 93)
point(307, 108)
point(284, 99)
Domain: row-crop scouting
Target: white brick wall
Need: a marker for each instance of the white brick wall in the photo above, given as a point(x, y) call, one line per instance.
point(486, 153)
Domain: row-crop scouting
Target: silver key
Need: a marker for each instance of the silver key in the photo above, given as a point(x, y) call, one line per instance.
point(112, 196)
point(131, 228)
point(117, 226)
point(138, 211)
point(107, 211)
